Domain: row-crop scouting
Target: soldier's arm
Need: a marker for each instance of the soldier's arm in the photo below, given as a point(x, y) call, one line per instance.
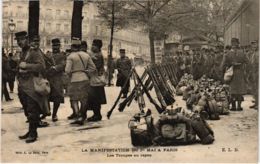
point(68, 66)
point(38, 64)
point(91, 68)
point(60, 64)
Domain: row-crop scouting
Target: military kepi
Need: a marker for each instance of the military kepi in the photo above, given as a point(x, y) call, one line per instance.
point(98, 43)
point(75, 41)
point(122, 50)
point(55, 41)
point(235, 40)
point(21, 34)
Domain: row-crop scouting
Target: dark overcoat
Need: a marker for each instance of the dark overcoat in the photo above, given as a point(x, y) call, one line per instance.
point(237, 59)
point(35, 65)
point(55, 65)
point(97, 94)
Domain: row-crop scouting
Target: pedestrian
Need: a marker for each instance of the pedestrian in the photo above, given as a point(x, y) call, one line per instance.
point(5, 76)
point(97, 95)
point(55, 66)
point(13, 67)
point(237, 59)
point(123, 66)
point(31, 65)
point(84, 46)
point(254, 71)
point(79, 67)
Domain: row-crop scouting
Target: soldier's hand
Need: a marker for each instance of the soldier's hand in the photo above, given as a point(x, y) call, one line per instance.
point(23, 65)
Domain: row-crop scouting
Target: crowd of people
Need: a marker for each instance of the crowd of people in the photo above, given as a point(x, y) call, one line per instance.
point(215, 62)
point(80, 73)
point(77, 72)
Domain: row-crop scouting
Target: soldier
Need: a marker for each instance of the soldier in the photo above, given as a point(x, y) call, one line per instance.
point(97, 95)
point(31, 65)
point(254, 72)
point(79, 66)
point(237, 59)
point(123, 66)
point(5, 76)
point(13, 66)
point(55, 65)
point(84, 46)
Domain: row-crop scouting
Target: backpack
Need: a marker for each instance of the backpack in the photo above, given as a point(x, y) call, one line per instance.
point(174, 129)
point(212, 109)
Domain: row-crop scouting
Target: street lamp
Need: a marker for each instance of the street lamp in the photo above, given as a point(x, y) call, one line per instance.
point(11, 26)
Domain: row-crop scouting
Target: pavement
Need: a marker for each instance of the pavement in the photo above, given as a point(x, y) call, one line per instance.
point(236, 137)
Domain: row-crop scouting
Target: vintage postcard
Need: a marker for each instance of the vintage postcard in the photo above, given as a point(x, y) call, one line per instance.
point(130, 81)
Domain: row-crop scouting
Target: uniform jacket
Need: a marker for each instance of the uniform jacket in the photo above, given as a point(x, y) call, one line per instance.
point(232, 58)
point(35, 65)
point(123, 66)
point(75, 67)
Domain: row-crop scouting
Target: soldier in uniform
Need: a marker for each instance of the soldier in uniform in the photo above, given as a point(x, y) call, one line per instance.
point(237, 59)
point(31, 65)
point(123, 66)
point(6, 69)
point(84, 46)
point(97, 95)
point(55, 65)
point(79, 66)
point(254, 72)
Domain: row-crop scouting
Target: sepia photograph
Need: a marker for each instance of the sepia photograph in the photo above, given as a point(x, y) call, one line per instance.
point(130, 81)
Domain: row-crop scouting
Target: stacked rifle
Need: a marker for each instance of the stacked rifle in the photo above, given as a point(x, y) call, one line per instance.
point(162, 78)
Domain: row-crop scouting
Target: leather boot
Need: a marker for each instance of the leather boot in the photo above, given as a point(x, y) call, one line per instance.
point(24, 136)
point(32, 133)
point(233, 106)
point(97, 115)
point(239, 108)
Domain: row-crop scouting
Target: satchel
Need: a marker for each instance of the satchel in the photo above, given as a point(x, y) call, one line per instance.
point(97, 80)
point(228, 74)
point(41, 85)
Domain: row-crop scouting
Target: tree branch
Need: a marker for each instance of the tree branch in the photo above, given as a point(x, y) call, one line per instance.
point(139, 4)
point(159, 8)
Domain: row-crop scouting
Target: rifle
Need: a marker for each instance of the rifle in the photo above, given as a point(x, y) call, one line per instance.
point(167, 96)
point(156, 87)
point(123, 104)
point(158, 108)
point(120, 94)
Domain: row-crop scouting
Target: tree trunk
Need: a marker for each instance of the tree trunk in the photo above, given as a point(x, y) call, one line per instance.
point(109, 61)
point(34, 13)
point(76, 23)
point(152, 53)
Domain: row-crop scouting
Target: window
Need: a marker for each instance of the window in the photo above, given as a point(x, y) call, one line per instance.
point(58, 27)
point(19, 10)
point(66, 27)
point(49, 14)
point(58, 12)
point(5, 10)
point(66, 13)
point(19, 24)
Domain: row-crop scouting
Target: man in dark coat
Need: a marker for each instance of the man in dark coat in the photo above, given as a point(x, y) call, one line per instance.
point(5, 76)
point(237, 59)
point(97, 95)
point(13, 66)
point(31, 65)
point(254, 71)
point(123, 66)
point(55, 65)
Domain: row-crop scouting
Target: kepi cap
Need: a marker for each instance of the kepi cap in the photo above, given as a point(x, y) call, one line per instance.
point(21, 34)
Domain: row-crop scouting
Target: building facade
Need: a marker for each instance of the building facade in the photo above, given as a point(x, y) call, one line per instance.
point(55, 22)
point(244, 24)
